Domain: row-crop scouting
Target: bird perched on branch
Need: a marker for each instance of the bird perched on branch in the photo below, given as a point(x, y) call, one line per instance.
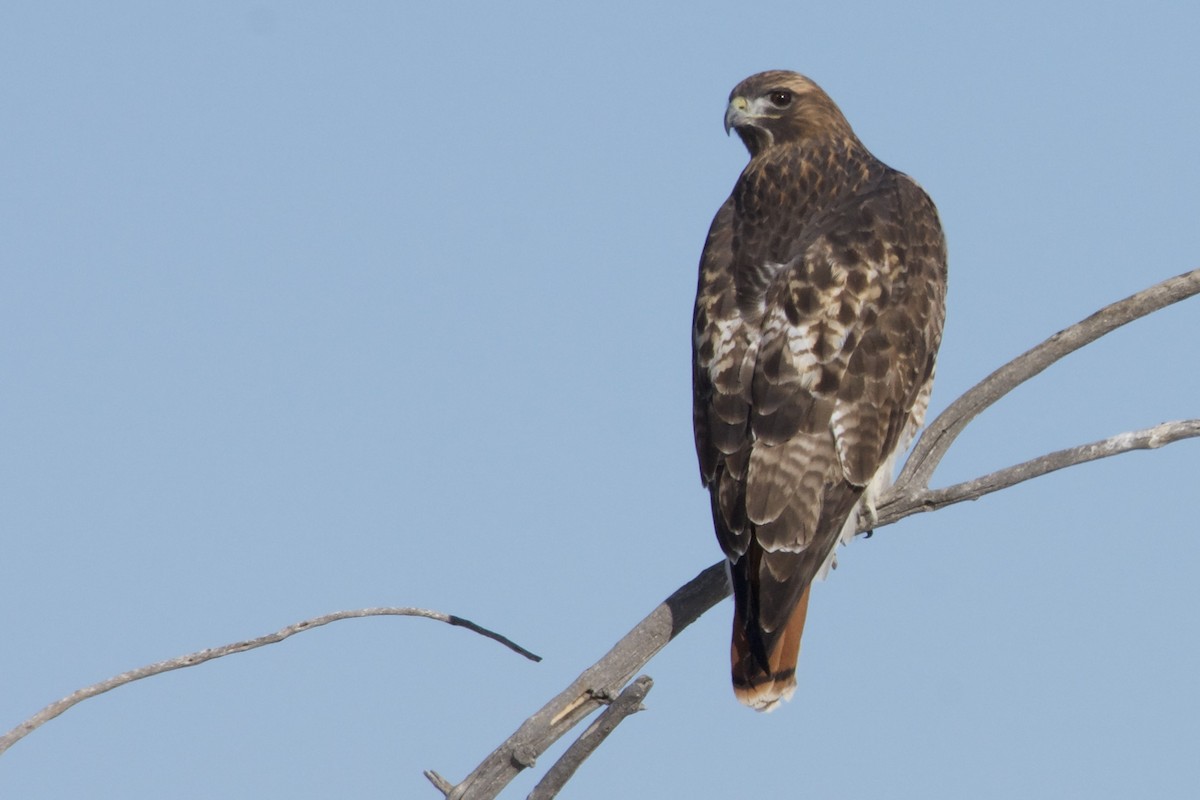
point(817, 323)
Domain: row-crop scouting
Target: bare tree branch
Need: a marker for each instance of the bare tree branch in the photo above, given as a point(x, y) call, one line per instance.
point(192, 659)
point(627, 703)
point(898, 503)
point(910, 495)
point(942, 432)
point(598, 683)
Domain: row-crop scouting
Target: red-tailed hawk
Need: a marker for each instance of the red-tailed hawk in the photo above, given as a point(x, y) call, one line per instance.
point(818, 318)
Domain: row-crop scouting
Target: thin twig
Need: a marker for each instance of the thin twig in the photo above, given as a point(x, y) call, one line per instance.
point(482, 631)
point(192, 659)
point(627, 703)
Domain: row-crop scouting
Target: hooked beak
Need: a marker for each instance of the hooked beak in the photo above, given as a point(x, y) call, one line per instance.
point(736, 113)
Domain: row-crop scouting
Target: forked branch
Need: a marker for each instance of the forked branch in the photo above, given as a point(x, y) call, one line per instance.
point(941, 433)
point(628, 702)
point(910, 495)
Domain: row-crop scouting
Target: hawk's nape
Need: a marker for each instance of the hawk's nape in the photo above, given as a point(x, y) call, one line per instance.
point(817, 322)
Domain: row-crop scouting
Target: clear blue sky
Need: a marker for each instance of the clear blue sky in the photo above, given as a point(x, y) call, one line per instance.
point(309, 307)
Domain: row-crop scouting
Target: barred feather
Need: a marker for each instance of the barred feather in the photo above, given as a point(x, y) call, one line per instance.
point(818, 316)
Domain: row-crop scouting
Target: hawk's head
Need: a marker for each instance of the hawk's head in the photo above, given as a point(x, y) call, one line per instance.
point(780, 107)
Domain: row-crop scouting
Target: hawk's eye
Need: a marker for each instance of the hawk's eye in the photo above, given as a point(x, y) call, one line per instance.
point(780, 98)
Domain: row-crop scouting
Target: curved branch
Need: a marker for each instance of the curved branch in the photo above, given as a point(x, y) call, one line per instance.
point(941, 433)
point(192, 659)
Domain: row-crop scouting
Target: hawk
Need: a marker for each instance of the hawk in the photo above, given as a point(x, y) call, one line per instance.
point(818, 317)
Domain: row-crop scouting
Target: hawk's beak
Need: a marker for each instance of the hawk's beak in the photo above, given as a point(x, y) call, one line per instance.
point(736, 113)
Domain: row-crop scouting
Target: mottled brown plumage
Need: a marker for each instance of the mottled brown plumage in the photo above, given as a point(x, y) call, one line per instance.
point(818, 317)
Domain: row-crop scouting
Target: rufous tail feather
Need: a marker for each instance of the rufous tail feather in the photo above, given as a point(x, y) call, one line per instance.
point(762, 679)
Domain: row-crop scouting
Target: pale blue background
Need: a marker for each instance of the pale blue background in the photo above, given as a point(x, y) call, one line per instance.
point(308, 307)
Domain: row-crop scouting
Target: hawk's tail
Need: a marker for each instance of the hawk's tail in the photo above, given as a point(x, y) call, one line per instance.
point(764, 663)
